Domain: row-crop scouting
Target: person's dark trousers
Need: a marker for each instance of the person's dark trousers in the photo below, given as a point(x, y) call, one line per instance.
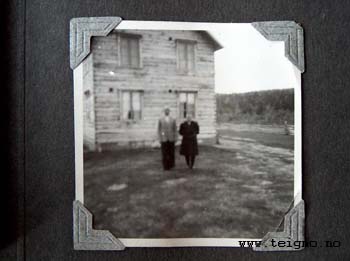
point(190, 160)
point(168, 155)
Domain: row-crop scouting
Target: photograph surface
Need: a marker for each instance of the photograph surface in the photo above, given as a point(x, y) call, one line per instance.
point(190, 131)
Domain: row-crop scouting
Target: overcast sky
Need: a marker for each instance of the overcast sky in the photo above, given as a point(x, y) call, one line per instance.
point(248, 62)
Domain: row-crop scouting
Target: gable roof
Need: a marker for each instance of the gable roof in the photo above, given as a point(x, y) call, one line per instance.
point(217, 45)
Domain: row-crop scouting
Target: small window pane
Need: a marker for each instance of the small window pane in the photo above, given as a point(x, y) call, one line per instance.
point(183, 97)
point(137, 115)
point(126, 105)
point(181, 50)
point(130, 51)
point(134, 52)
point(124, 49)
point(190, 109)
point(190, 98)
point(136, 101)
point(182, 109)
point(181, 56)
point(190, 57)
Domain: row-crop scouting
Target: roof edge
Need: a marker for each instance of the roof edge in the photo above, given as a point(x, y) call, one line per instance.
point(217, 44)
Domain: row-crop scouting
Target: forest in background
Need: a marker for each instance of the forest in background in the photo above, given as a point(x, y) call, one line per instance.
point(263, 107)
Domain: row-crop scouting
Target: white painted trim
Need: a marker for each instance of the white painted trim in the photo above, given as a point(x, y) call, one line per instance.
point(184, 242)
point(79, 132)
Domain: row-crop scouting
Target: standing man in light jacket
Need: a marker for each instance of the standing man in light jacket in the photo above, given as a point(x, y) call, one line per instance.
point(167, 134)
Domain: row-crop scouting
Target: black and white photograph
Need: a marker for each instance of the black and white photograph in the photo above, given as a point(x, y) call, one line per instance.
point(187, 134)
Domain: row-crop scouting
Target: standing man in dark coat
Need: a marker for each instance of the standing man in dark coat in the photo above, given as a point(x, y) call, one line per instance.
point(167, 134)
point(189, 147)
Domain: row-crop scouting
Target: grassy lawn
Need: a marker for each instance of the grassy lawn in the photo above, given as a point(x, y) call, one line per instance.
point(240, 188)
point(268, 135)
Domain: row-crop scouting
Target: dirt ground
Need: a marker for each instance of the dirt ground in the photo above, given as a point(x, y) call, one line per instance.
point(239, 188)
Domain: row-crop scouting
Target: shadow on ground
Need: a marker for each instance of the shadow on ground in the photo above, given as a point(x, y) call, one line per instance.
point(240, 188)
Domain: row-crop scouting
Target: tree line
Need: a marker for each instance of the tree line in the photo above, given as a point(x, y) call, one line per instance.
point(263, 107)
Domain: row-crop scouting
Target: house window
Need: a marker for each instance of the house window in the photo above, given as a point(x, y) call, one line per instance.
point(185, 56)
point(187, 104)
point(132, 105)
point(129, 51)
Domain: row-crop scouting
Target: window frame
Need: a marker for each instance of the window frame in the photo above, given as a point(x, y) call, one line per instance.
point(195, 93)
point(186, 42)
point(129, 36)
point(131, 91)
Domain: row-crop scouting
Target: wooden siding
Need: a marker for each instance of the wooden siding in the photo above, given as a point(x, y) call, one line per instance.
point(157, 78)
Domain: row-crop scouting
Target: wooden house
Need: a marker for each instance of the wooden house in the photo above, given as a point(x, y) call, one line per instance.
point(132, 75)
